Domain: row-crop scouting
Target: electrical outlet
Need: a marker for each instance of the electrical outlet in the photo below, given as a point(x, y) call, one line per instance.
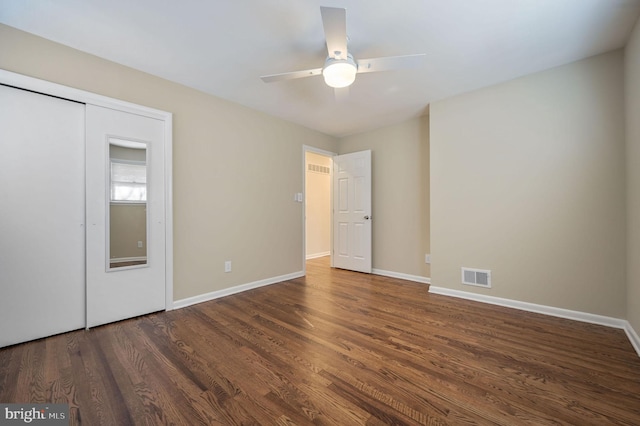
point(427, 258)
point(139, 244)
point(227, 266)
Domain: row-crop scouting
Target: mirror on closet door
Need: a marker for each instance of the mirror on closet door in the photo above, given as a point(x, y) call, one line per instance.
point(127, 215)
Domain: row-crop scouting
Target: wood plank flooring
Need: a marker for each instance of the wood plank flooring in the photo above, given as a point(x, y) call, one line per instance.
point(333, 348)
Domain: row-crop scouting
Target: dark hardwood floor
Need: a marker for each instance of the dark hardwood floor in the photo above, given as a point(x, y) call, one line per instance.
point(334, 348)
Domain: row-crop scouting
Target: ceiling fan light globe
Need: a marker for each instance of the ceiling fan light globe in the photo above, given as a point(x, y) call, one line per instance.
point(339, 73)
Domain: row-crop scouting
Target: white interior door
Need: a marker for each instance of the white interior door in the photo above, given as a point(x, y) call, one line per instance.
point(116, 293)
point(352, 211)
point(42, 234)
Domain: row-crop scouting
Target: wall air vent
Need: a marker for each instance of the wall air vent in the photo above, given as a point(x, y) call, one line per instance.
point(318, 169)
point(477, 277)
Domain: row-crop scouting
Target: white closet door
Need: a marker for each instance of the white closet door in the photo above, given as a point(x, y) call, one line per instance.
point(42, 235)
point(118, 293)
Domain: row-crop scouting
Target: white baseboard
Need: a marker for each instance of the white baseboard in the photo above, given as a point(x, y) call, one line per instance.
point(183, 303)
point(317, 255)
point(532, 307)
point(400, 275)
point(633, 337)
point(546, 310)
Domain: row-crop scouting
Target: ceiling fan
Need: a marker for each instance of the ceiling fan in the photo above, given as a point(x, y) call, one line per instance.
point(340, 67)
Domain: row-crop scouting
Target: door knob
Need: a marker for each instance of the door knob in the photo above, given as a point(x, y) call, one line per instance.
point(366, 218)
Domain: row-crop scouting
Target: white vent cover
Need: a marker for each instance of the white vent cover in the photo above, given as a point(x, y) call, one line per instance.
point(318, 169)
point(477, 277)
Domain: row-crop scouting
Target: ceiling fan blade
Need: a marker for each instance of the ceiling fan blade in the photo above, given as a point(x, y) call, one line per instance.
point(334, 21)
point(391, 63)
point(291, 75)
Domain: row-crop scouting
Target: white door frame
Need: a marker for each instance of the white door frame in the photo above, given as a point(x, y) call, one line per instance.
point(305, 149)
point(53, 89)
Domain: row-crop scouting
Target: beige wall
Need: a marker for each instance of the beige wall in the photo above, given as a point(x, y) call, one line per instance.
point(128, 225)
point(235, 169)
point(400, 194)
point(317, 206)
point(527, 180)
point(632, 97)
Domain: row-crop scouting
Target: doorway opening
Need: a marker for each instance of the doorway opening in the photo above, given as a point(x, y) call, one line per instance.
point(317, 238)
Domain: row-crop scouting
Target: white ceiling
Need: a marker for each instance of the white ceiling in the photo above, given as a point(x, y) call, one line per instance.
point(222, 47)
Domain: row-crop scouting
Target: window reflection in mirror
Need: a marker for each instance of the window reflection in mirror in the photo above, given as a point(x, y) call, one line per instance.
point(128, 204)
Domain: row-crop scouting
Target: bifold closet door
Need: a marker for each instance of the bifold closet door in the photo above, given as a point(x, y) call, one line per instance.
point(42, 199)
point(124, 171)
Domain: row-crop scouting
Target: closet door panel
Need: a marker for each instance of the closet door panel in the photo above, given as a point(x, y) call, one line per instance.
point(116, 291)
point(42, 199)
